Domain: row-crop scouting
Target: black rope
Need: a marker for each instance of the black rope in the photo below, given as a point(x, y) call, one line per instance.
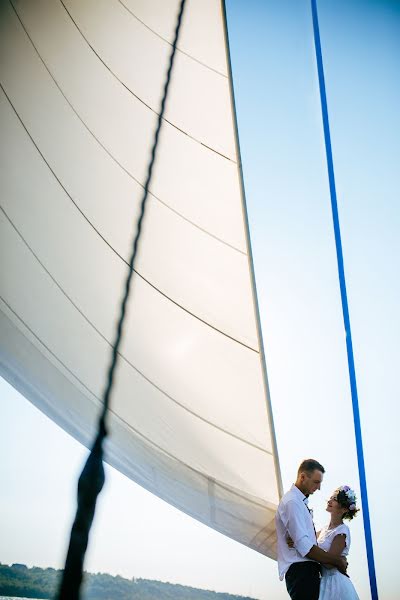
point(92, 478)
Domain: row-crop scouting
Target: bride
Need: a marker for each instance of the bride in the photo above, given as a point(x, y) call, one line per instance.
point(335, 538)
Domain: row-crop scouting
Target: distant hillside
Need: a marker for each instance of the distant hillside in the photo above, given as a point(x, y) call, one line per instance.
point(18, 580)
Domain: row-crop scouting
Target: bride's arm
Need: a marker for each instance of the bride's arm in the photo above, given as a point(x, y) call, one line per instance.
point(338, 544)
point(337, 547)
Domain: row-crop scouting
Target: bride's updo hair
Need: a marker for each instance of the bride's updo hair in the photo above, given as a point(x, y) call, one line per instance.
point(346, 498)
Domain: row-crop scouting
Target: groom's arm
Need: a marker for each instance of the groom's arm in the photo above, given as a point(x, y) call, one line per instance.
point(337, 547)
point(304, 544)
point(329, 558)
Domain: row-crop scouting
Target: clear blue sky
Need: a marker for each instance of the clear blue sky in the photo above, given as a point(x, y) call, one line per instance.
point(289, 209)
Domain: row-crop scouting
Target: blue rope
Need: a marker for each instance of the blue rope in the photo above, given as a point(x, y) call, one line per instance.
point(345, 308)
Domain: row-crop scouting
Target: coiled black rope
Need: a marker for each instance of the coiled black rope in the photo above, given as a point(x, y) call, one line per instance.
point(92, 478)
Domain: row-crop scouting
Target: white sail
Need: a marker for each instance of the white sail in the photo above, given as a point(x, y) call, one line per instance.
point(81, 83)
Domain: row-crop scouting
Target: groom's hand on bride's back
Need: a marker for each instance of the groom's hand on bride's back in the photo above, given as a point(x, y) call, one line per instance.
point(345, 564)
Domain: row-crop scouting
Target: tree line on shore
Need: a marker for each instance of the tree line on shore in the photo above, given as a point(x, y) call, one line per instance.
point(23, 582)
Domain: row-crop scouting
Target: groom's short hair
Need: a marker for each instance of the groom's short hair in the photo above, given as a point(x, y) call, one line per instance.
point(309, 465)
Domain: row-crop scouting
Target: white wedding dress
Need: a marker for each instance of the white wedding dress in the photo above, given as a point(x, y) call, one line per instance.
point(335, 585)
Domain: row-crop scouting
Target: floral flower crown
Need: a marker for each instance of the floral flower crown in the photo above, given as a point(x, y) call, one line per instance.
point(348, 496)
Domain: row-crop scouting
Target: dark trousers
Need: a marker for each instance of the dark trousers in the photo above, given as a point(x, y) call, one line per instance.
point(302, 580)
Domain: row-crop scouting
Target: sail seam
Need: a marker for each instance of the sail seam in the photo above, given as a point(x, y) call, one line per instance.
point(93, 395)
point(270, 534)
point(115, 159)
point(133, 93)
point(168, 42)
point(119, 255)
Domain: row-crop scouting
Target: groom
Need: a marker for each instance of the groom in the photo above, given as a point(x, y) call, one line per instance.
point(300, 564)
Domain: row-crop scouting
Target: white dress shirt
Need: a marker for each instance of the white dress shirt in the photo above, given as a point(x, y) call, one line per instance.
point(294, 518)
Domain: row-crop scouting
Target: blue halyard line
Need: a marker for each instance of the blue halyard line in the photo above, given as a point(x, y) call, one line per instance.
point(345, 308)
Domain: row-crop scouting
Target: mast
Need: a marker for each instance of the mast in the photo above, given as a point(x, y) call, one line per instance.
point(250, 259)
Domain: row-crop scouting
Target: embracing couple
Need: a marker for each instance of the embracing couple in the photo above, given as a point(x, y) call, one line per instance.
point(314, 563)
